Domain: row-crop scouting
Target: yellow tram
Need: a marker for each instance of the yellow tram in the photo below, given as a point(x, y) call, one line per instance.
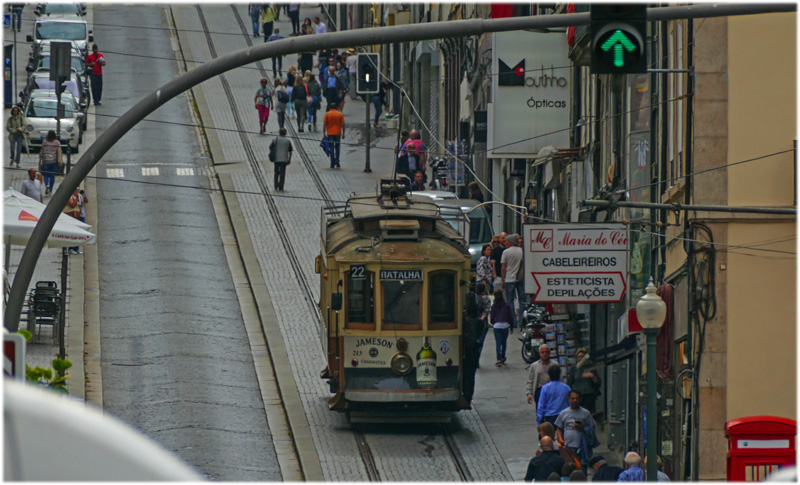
point(393, 277)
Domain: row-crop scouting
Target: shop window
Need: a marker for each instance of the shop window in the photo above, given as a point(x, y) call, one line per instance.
point(442, 300)
point(360, 291)
point(401, 305)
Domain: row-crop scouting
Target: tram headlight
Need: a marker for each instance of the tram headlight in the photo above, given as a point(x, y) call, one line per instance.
point(402, 364)
point(402, 344)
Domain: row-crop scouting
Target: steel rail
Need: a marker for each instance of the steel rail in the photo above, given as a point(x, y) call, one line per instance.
point(366, 456)
point(376, 35)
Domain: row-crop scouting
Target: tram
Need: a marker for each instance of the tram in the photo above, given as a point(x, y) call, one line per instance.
point(394, 277)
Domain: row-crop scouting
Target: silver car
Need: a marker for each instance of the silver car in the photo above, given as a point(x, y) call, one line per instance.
point(40, 113)
point(64, 30)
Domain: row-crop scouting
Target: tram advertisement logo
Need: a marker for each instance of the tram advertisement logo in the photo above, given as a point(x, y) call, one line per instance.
point(585, 263)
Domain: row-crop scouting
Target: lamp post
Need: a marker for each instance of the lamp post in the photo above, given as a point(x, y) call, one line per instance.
point(651, 310)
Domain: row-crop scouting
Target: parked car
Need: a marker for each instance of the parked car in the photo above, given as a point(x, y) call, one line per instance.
point(60, 10)
point(41, 113)
point(67, 99)
point(63, 30)
point(435, 194)
point(75, 85)
point(479, 228)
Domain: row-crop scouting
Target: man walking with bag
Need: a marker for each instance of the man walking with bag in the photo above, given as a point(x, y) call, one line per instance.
point(280, 153)
point(333, 128)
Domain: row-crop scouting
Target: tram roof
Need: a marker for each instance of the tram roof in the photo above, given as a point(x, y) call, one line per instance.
point(372, 206)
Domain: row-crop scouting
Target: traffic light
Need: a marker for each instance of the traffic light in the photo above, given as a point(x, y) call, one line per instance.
point(618, 35)
point(367, 73)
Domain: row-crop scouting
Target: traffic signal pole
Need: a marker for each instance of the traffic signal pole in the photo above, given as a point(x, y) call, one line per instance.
point(293, 45)
point(369, 131)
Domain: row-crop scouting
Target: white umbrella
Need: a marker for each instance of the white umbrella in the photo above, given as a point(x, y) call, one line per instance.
point(21, 214)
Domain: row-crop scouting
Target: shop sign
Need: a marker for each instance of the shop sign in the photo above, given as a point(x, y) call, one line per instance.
point(530, 94)
point(575, 263)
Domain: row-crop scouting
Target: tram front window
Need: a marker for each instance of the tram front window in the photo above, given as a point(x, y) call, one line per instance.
point(442, 298)
point(401, 303)
point(360, 303)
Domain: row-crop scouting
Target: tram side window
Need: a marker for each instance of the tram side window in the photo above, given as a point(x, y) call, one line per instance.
point(401, 304)
point(442, 299)
point(360, 299)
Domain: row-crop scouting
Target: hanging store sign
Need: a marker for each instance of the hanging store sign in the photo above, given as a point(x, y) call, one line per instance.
point(530, 94)
point(575, 263)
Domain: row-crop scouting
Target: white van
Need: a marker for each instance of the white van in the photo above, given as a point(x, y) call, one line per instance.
point(76, 31)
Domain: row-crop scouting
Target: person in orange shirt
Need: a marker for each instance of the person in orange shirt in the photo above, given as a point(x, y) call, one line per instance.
point(333, 128)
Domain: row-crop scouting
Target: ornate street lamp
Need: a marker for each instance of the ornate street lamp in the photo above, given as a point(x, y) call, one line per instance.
point(650, 311)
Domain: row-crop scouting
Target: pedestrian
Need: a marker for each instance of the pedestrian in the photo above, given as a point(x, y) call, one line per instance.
point(267, 20)
point(291, 75)
point(294, 16)
point(343, 83)
point(74, 209)
point(277, 7)
point(305, 62)
point(315, 91)
point(32, 187)
point(511, 262)
point(572, 424)
point(554, 397)
point(577, 476)
point(503, 324)
point(309, 26)
point(485, 309)
point(333, 128)
point(16, 14)
point(408, 164)
point(497, 253)
point(633, 473)
point(300, 101)
point(322, 62)
point(567, 469)
point(320, 27)
point(281, 156)
point(584, 380)
point(351, 63)
point(16, 126)
point(662, 477)
point(277, 61)
point(603, 472)
point(418, 185)
point(263, 102)
point(255, 16)
point(398, 149)
point(332, 86)
point(414, 138)
point(537, 374)
point(485, 269)
point(96, 61)
point(543, 465)
point(379, 101)
point(475, 192)
point(50, 158)
point(281, 98)
point(547, 429)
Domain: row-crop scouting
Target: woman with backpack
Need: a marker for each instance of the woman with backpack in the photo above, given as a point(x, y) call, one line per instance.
point(50, 158)
point(503, 324)
point(263, 102)
point(281, 101)
point(300, 100)
point(291, 75)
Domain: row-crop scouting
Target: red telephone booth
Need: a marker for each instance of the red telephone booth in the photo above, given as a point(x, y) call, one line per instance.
point(759, 445)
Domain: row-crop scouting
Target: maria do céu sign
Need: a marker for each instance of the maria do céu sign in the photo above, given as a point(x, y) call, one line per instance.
point(575, 263)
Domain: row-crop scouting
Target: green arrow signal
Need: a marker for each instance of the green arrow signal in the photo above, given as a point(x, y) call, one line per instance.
point(617, 41)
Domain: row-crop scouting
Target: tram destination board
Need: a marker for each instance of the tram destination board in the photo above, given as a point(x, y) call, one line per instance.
point(401, 274)
point(584, 263)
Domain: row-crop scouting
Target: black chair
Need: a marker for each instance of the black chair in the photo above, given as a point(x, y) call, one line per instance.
point(46, 308)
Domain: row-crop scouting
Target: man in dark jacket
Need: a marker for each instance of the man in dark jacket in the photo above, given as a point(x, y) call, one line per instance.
point(540, 467)
point(603, 472)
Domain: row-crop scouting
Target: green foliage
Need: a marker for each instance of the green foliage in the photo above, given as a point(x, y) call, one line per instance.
point(49, 379)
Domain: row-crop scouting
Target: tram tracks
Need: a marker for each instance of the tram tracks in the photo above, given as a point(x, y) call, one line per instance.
point(373, 453)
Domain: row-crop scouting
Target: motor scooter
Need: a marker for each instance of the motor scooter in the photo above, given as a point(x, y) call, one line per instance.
point(531, 335)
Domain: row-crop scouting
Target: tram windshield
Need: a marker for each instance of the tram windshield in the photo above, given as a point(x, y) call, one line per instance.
point(442, 301)
point(360, 303)
point(401, 302)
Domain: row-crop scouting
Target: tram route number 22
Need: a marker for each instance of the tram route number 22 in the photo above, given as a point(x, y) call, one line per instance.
point(358, 271)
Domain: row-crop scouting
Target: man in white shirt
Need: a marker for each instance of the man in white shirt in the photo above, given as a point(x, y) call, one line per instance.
point(511, 262)
point(32, 187)
point(351, 64)
point(320, 28)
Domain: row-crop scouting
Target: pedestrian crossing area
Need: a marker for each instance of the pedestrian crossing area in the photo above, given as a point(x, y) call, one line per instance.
point(137, 171)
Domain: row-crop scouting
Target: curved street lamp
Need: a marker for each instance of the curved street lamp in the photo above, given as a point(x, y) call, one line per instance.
point(650, 311)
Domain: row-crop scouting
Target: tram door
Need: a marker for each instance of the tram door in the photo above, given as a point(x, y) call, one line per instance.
point(621, 405)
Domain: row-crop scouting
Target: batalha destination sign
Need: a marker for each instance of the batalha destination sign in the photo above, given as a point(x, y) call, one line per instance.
point(575, 263)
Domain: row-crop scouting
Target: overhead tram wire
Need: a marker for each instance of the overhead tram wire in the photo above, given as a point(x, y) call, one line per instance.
point(323, 200)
